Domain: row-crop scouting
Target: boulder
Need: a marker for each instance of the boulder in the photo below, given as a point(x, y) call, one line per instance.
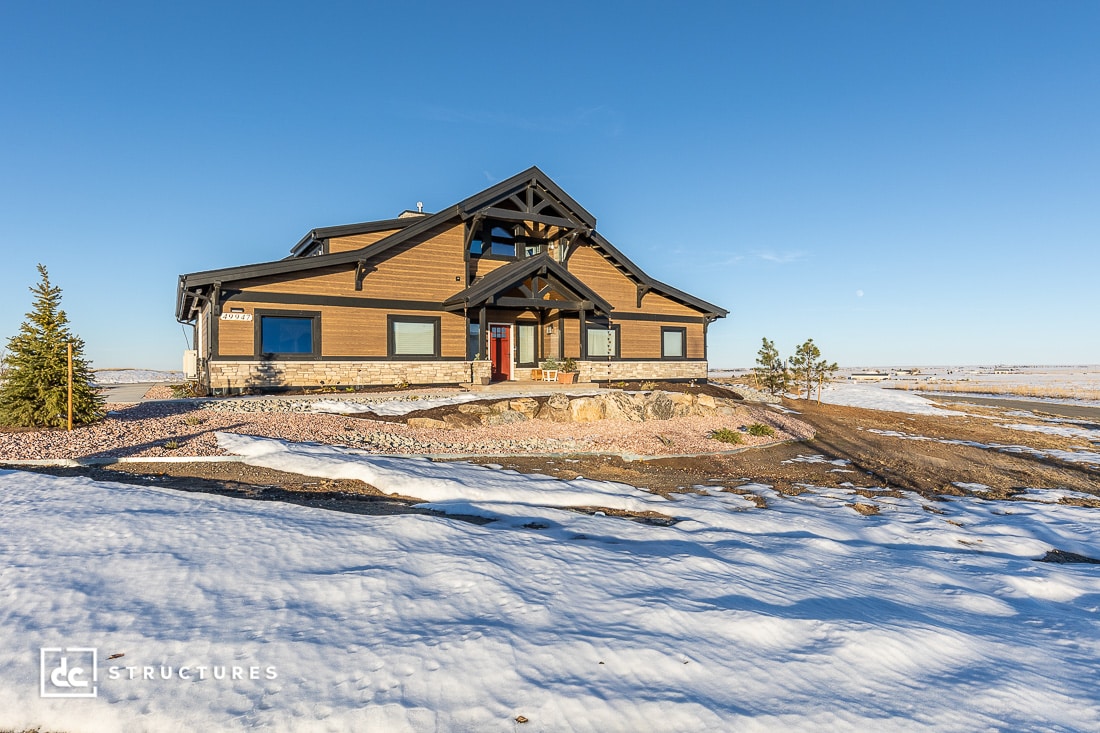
point(460, 420)
point(555, 413)
point(586, 409)
point(526, 405)
point(473, 409)
point(706, 401)
point(558, 401)
point(426, 422)
point(498, 407)
point(682, 403)
point(621, 406)
point(657, 406)
point(504, 417)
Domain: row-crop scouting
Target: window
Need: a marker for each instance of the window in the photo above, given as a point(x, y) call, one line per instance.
point(499, 239)
point(413, 336)
point(473, 340)
point(527, 333)
point(602, 342)
point(288, 333)
point(673, 342)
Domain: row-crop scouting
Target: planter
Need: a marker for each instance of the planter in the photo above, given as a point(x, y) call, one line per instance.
point(567, 377)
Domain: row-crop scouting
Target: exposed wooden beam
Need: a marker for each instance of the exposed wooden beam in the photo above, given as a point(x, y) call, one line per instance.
point(506, 215)
point(569, 305)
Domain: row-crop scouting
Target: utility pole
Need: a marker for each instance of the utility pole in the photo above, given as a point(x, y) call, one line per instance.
point(70, 386)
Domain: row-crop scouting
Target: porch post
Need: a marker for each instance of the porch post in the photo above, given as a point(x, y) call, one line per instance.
point(483, 333)
point(584, 334)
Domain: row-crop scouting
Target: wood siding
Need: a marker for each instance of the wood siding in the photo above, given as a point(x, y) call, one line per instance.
point(616, 288)
point(345, 331)
point(357, 241)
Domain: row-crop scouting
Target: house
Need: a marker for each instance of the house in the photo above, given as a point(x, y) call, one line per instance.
point(487, 288)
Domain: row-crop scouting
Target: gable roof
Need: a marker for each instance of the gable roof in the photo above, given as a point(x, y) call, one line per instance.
point(347, 230)
point(576, 217)
point(509, 276)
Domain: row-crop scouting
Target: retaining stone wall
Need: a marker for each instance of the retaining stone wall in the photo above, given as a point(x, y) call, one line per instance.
point(602, 371)
point(237, 376)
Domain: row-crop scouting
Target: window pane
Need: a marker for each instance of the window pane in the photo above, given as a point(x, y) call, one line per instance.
point(286, 335)
point(473, 343)
point(416, 339)
point(672, 343)
point(526, 344)
point(601, 342)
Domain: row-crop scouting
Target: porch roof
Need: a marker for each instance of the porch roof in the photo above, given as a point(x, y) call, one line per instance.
point(488, 290)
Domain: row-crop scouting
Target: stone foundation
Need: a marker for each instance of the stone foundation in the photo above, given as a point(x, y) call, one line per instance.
point(231, 377)
point(616, 371)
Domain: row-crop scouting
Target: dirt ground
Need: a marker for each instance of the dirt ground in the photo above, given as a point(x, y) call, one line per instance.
point(927, 467)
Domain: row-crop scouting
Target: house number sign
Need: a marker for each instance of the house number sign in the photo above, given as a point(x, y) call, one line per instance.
point(236, 316)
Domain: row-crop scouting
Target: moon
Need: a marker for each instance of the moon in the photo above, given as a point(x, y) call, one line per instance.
point(859, 293)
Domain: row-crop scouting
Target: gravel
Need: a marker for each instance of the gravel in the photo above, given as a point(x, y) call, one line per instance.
point(181, 428)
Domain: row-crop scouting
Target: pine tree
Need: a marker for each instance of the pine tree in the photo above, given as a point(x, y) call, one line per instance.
point(34, 392)
point(772, 375)
point(809, 369)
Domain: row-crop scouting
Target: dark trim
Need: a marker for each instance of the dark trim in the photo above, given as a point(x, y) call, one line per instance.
point(604, 326)
point(636, 358)
point(682, 330)
point(520, 216)
point(521, 182)
point(565, 305)
point(656, 317)
point(390, 347)
point(511, 275)
point(259, 296)
point(257, 334)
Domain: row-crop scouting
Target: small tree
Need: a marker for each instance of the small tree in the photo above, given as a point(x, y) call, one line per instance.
point(809, 369)
point(772, 374)
point(36, 371)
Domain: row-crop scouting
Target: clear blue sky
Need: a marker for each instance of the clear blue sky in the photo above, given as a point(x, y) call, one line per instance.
point(905, 182)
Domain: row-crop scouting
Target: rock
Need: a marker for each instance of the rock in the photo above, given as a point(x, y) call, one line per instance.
point(705, 401)
point(426, 422)
point(558, 401)
point(586, 409)
point(526, 405)
point(619, 406)
point(657, 406)
point(555, 414)
point(472, 409)
point(682, 403)
point(460, 420)
point(504, 417)
point(498, 407)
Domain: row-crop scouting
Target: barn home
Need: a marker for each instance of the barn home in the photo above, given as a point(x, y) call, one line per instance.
point(486, 289)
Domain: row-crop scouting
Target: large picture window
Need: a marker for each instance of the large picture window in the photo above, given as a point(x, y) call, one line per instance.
point(602, 342)
point(673, 342)
point(288, 333)
point(413, 336)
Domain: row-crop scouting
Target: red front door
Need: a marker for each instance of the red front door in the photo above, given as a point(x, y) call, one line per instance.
point(500, 351)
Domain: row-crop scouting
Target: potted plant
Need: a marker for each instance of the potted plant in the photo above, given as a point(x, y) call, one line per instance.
point(549, 368)
point(567, 373)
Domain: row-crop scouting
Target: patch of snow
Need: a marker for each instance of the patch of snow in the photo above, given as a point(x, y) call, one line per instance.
point(818, 458)
point(403, 406)
point(873, 397)
point(1063, 430)
point(1078, 456)
point(970, 486)
point(825, 619)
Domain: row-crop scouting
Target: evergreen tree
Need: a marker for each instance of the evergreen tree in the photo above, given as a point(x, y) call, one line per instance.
point(34, 392)
point(772, 375)
point(810, 369)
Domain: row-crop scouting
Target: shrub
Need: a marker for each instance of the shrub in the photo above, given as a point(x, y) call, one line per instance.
point(171, 444)
point(725, 435)
point(760, 430)
point(193, 420)
point(569, 365)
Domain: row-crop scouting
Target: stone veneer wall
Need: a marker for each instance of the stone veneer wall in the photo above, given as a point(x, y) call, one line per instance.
point(602, 371)
point(235, 376)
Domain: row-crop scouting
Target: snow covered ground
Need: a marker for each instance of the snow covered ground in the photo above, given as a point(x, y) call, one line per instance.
point(135, 376)
point(805, 615)
point(875, 397)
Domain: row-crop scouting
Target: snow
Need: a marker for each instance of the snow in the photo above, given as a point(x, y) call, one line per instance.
point(1074, 456)
point(1065, 431)
point(403, 406)
point(873, 397)
point(135, 376)
point(817, 458)
point(804, 615)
